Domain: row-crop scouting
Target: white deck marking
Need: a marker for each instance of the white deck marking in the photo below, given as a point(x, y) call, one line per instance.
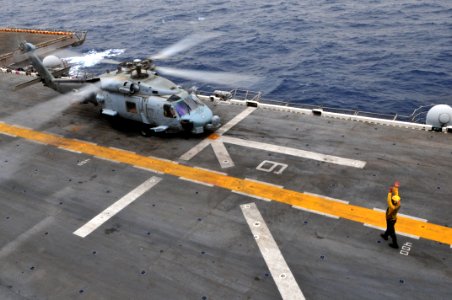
point(295, 152)
point(116, 207)
point(149, 170)
point(107, 159)
point(196, 181)
point(11, 135)
point(167, 160)
point(209, 170)
point(114, 148)
point(223, 129)
point(252, 196)
point(13, 245)
point(70, 150)
point(375, 227)
point(38, 142)
point(222, 154)
point(87, 142)
point(234, 121)
point(384, 229)
point(272, 166)
point(403, 215)
point(283, 277)
point(195, 150)
point(21, 126)
point(414, 218)
point(83, 162)
point(329, 198)
point(315, 212)
point(56, 134)
point(258, 181)
point(408, 235)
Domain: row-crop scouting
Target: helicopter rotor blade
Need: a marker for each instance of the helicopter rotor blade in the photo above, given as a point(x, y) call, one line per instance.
point(39, 115)
point(224, 78)
point(44, 112)
point(17, 55)
point(184, 44)
point(90, 58)
point(110, 61)
point(64, 53)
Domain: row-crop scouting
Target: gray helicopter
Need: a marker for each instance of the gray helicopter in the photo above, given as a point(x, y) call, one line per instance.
point(137, 92)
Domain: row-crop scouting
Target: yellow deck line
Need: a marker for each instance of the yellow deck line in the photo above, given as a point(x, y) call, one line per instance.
point(355, 213)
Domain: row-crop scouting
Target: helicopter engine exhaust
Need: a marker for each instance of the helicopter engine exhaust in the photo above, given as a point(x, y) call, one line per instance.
point(126, 88)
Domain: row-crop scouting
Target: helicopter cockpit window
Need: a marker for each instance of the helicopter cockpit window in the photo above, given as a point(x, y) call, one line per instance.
point(182, 108)
point(168, 111)
point(131, 107)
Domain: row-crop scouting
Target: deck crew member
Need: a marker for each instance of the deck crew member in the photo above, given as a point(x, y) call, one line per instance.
point(391, 214)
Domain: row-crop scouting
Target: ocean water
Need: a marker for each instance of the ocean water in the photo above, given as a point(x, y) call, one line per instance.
point(382, 56)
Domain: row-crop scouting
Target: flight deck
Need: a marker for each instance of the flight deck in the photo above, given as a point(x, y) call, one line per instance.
point(277, 203)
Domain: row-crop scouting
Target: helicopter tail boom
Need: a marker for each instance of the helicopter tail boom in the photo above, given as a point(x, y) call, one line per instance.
point(46, 77)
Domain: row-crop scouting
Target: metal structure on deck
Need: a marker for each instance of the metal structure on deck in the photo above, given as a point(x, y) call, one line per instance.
point(417, 116)
point(44, 39)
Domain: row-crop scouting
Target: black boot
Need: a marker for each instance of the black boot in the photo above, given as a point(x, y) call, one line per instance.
point(385, 237)
point(394, 245)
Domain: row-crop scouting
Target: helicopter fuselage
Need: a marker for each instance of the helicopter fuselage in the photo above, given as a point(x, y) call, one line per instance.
point(137, 93)
point(156, 102)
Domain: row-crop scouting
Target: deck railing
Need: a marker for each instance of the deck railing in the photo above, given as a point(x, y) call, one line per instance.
point(417, 116)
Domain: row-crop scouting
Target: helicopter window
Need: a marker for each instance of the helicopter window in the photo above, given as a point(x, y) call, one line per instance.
point(182, 108)
point(192, 104)
point(193, 101)
point(196, 99)
point(168, 111)
point(131, 107)
point(173, 98)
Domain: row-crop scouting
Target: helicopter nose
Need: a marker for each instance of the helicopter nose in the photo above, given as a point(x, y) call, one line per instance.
point(214, 123)
point(197, 121)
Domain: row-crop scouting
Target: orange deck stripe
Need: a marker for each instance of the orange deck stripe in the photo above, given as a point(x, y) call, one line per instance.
point(36, 31)
point(317, 203)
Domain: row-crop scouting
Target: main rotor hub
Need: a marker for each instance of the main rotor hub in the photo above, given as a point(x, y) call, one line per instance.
point(138, 68)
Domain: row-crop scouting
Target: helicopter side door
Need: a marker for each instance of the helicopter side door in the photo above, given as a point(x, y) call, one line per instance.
point(133, 108)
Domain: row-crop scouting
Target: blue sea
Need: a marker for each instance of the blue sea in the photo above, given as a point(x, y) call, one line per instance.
point(379, 56)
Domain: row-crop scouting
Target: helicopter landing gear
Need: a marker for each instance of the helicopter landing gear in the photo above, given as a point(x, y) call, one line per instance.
point(145, 131)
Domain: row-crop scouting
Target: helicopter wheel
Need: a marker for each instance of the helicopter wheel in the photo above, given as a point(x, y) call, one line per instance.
point(145, 131)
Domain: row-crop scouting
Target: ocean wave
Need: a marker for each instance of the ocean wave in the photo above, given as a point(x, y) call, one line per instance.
point(90, 59)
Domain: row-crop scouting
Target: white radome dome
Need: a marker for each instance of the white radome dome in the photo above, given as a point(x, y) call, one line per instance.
point(439, 116)
point(52, 61)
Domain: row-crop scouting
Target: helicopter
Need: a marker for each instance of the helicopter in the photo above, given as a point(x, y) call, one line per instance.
point(137, 92)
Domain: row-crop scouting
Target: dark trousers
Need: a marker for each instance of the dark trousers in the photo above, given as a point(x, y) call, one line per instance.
point(390, 231)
